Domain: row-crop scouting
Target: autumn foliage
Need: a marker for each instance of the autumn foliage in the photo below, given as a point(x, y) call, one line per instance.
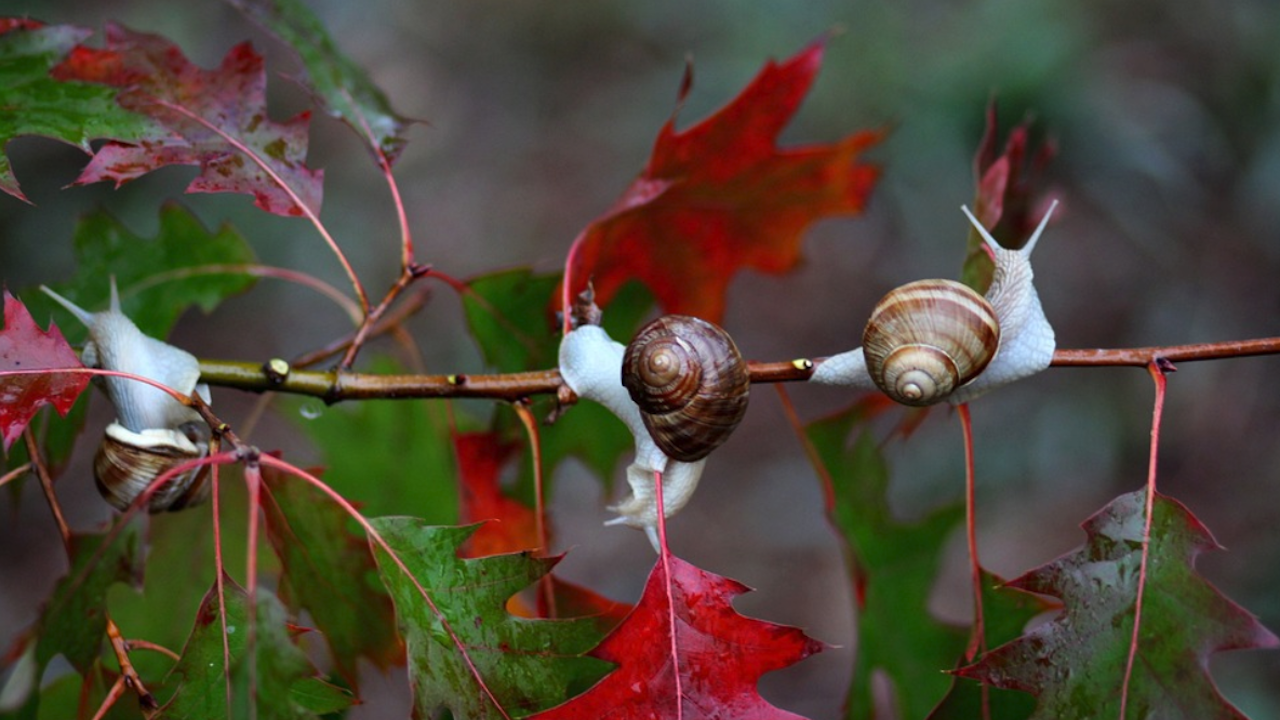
point(424, 553)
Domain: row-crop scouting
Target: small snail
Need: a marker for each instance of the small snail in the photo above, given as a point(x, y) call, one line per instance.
point(591, 364)
point(152, 432)
point(935, 340)
point(690, 383)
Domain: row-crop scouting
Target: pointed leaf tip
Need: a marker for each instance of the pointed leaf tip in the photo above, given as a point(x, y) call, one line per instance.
point(1075, 664)
point(730, 198)
point(24, 346)
point(719, 655)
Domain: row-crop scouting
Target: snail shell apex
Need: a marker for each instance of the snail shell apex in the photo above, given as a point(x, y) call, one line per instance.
point(927, 338)
point(690, 382)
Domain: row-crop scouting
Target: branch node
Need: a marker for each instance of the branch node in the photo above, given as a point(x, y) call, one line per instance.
point(276, 370)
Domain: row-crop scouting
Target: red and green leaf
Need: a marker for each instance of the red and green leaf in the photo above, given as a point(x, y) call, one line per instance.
point(685, 652)
point(720, 197)
point(327, 569)
point(216, 119)
point(341, 87)
point(36, 104)
point(24, 346)
point(466, 652)
point(1075, 664)
point(1006, 613)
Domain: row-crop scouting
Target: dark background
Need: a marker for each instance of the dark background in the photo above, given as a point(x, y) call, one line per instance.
point(1167, 115)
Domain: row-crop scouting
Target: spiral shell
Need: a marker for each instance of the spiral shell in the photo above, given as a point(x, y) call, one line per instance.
point(927, 338)
point(690, 383)
point(128, 462)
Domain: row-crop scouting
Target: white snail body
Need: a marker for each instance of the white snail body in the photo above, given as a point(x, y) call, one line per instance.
point(591, 365)
point(1002, 337)
point(152, 432)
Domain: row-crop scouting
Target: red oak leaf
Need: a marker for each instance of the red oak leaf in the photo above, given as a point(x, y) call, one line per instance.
point(24, 346)
point(18, 23)
point(721, 196)
point(217, 119)
point(509, 526)
point(1006, 201)
point(708, 670)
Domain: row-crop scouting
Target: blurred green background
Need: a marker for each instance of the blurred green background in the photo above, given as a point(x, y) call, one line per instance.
point(1167, 117)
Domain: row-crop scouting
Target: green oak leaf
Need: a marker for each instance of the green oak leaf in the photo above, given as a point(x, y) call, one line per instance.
point(390, 456)
point(272, 679)
point(74, 621)
point(343, 88)
point(893, 566)
point(158, 278)
point(1075, 664)
point(327, 569)
point(526, 664)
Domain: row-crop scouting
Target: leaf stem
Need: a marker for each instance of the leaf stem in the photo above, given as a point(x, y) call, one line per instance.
point(1157, 369)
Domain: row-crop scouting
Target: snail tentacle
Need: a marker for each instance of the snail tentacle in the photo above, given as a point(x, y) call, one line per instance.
point(952, 344)
point(153, 432)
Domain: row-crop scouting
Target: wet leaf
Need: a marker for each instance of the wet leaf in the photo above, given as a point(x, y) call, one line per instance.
point(327, 569)
point(36, 104)
point(24, 346)
point(216, 119)
point(343, 88)
point(709, 669)
point(1075, 664)
point(524, 665)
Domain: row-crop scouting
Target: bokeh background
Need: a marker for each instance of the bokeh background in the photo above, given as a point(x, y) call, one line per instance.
point(1167, 117)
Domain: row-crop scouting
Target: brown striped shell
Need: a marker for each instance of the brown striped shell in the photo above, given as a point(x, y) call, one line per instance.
point(690, 383)
point(128, 462)
point(927, 338)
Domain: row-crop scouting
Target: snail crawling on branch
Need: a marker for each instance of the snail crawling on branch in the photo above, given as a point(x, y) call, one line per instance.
point(934, 340)
point(680, 386)
point(690, 383)
point(152, 432)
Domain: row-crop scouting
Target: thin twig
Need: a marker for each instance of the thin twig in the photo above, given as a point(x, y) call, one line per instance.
point(1142, 357)
point(407, 276)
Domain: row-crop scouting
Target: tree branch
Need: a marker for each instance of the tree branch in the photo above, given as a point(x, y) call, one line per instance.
point(333, 386)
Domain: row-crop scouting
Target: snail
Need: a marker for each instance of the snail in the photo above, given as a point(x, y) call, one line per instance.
point(591, 364)
point(690, 383)
point(152, 431)
point(935, 340)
